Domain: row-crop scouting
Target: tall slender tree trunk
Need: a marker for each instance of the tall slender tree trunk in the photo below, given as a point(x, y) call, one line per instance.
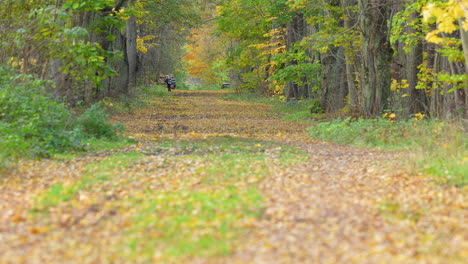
point(417, 100)
point(350, 58)
point(407, 69)
point(464, 38)
point(131, 53)
point(296, 31)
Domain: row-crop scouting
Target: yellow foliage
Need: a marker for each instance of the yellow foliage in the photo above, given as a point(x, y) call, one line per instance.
point(397, 86)
point(389, 116)
point(141, 46)
point(447, 16)
point(419, 116)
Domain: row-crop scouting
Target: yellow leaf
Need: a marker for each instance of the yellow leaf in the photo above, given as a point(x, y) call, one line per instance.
point(433, 37)
point(39, 230)
point(447, 26)
point(465, 25)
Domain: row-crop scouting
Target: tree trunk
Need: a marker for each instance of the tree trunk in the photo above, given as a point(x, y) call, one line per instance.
point(350, 56)
point(405, 68)
point(296, 31)
point(376, 55)
point(131, 53)
point(333, 81)
point(464, 38)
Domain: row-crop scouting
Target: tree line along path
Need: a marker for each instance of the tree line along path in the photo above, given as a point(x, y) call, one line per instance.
point(214, 180)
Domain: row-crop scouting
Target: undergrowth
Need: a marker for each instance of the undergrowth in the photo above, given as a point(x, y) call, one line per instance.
point(35, 125)
point(126, 104)
point(31, 123)
point(304, 110)
point(251, 97)
point(434, 147)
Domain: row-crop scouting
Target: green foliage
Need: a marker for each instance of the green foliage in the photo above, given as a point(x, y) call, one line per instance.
point(243, 23)
point(45, 35)
point(300, 110)
point(32, 124)
point(362, 132)
point(438, 148)
point(94, 122)
point(406, 19)
point(126, 104)
point(144, 92)
point(295, 72)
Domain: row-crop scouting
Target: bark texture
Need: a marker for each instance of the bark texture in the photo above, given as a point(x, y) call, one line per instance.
point(376, 55)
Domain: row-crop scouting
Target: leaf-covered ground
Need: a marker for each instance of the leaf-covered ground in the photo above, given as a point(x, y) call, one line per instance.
point(222, 181)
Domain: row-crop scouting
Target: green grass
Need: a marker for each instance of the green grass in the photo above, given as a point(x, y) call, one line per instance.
point(252, 97)
point(306, 110)
point(197, 223)
point(143, 92)
point(207, 199)
point(394, 210)
point(204, 87)
point(436, 148)
point(100, 170)
point(99, 145)
point(126, 104)
point(205, 221)
point(95, 145)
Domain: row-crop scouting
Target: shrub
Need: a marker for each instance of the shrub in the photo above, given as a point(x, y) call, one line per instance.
point(363, 132)
point(31, 123)
point(94, 123)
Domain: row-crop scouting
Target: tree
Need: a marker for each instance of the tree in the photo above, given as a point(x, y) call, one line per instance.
point(376, 54)
point(451, 32)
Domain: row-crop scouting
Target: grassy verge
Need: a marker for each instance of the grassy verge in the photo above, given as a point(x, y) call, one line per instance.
point(126, 104)
point(251, 97)
point(306, 110)
point(436, 148)
point(212, 87)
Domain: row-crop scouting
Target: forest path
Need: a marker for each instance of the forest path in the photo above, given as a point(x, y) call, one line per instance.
point(214, 180)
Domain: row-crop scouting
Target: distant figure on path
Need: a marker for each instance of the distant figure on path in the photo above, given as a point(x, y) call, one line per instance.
point(171, 82)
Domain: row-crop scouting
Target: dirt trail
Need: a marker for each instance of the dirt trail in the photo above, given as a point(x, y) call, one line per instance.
point(343, 206)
